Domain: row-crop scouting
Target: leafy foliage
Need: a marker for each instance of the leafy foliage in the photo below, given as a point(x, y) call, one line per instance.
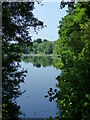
point(41, 47)
point(74, 50)
point(17, 19)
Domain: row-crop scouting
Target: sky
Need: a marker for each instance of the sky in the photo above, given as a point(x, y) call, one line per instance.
point(50, 13)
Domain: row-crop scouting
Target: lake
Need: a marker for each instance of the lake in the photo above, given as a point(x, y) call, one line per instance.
point(40, 78)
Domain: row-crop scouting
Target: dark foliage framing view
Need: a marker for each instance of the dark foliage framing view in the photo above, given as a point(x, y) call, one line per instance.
point(72, 48)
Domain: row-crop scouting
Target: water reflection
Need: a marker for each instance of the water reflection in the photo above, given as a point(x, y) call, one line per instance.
point(39, 101)
point(40, 78)
point(39, 61)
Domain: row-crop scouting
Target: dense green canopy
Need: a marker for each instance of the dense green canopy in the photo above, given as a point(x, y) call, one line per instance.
point(41, 47)
point(74, 50)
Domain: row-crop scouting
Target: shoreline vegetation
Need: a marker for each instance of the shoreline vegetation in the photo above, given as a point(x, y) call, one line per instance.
point(41, 48)
point(37, 55)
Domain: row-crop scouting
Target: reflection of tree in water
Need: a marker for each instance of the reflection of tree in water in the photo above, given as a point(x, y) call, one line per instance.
point(39, 61)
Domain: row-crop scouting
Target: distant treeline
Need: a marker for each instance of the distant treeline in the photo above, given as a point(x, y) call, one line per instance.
point(41, 47)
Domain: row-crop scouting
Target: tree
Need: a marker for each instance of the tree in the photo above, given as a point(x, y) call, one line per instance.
point(39, 40)
point(17, 19)
point(74, 47)
point(44, 47)
point(45, 40)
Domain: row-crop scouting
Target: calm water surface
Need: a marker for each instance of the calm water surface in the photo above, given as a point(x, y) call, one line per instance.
point(37, 82)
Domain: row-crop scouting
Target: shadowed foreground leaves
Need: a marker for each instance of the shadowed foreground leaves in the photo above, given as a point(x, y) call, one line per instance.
point(17, 19)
